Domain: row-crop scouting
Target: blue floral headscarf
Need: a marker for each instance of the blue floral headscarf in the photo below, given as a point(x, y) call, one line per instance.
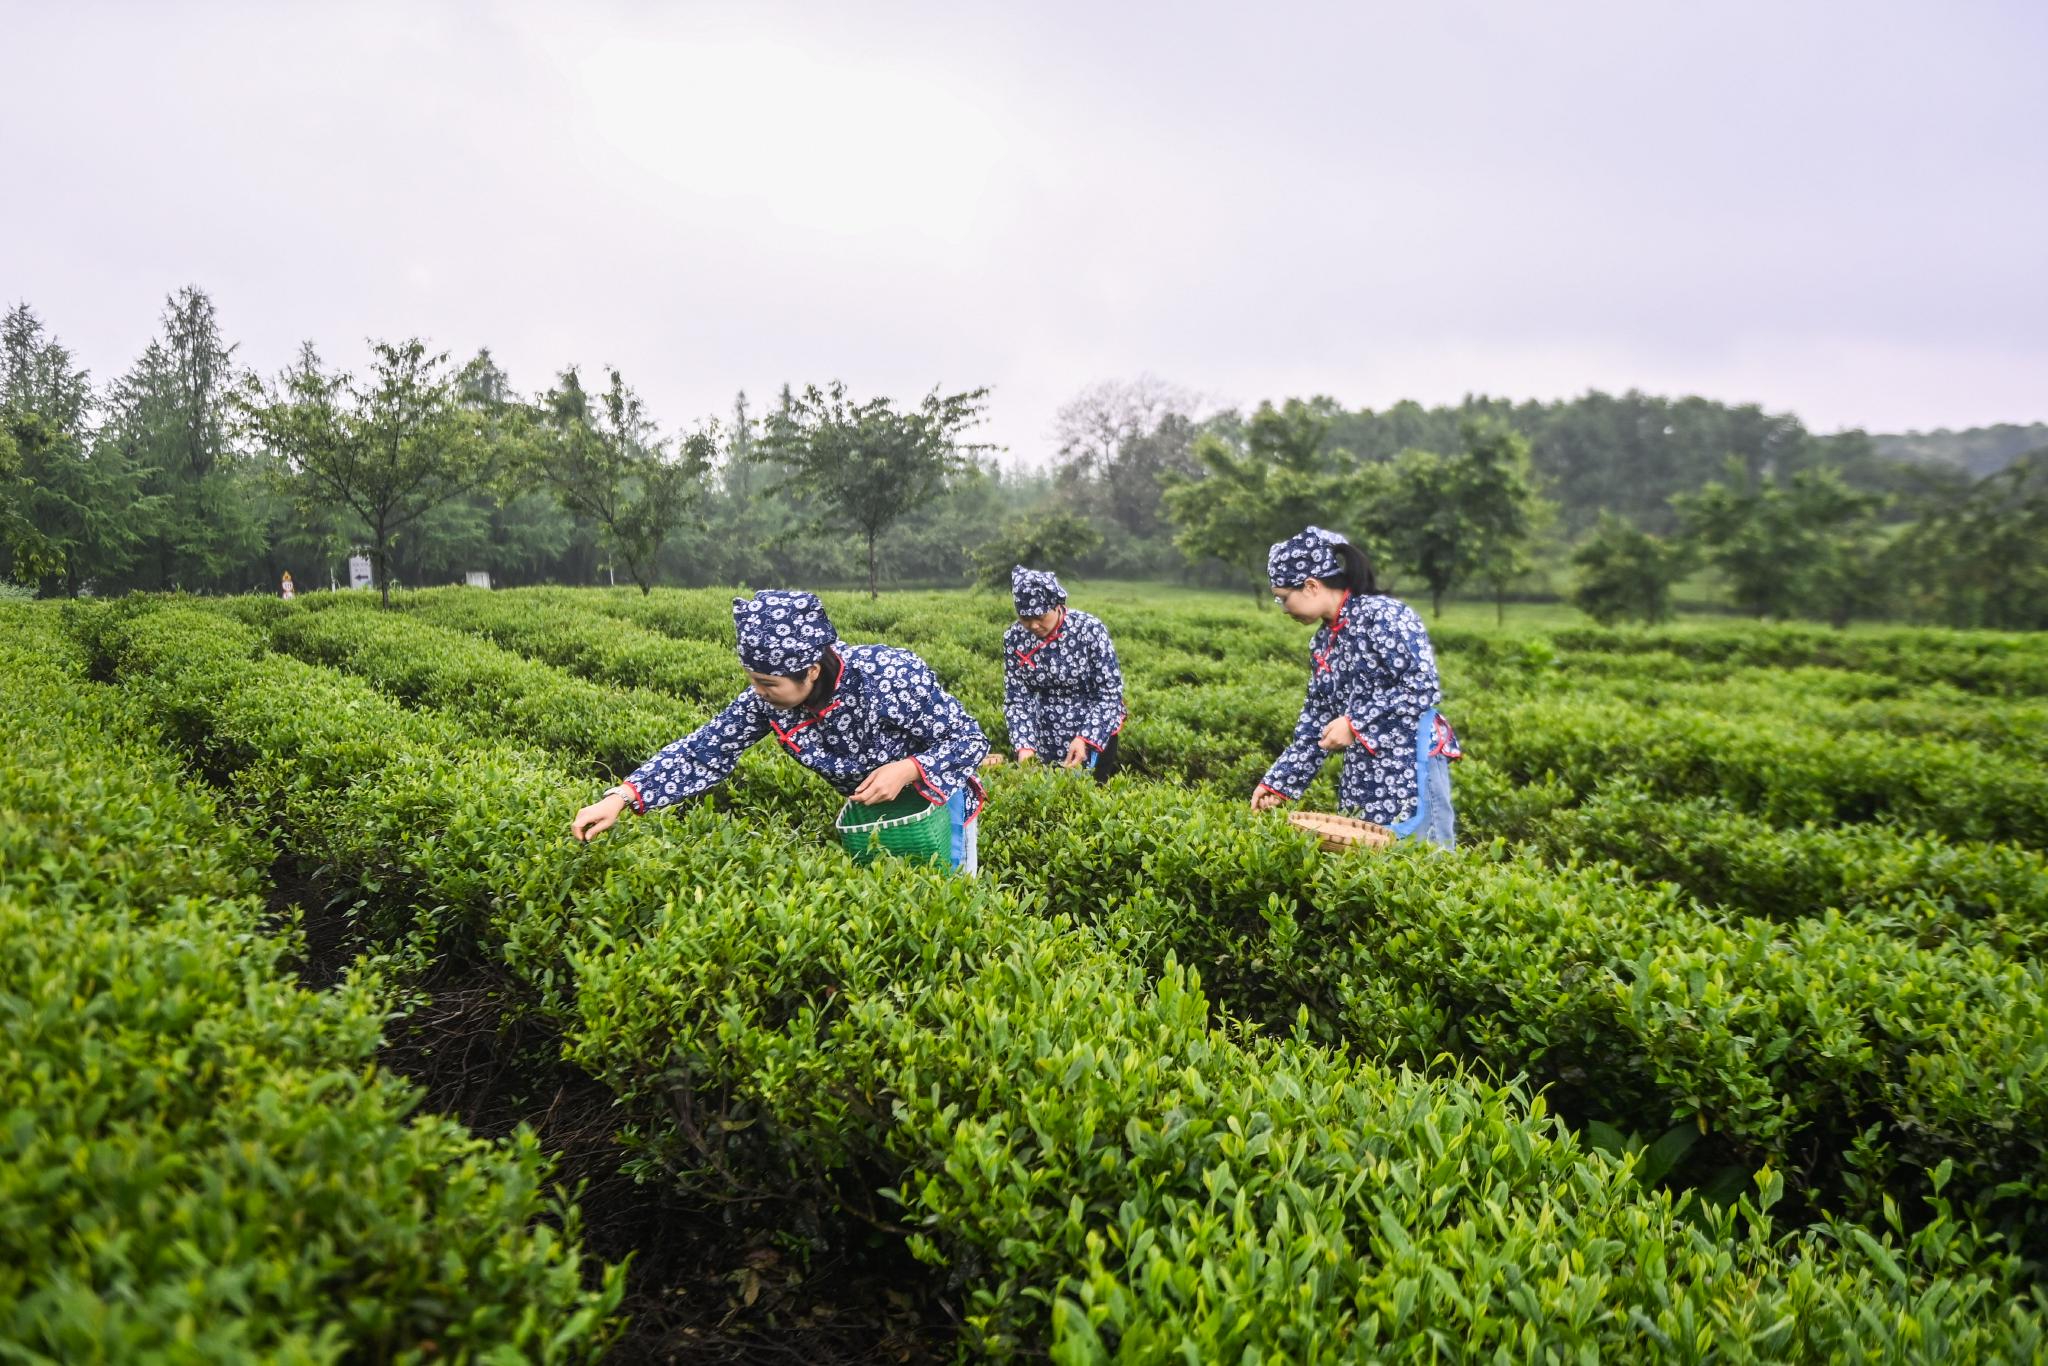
point(1310, 555)
point(781, 631)
point(1035, 591)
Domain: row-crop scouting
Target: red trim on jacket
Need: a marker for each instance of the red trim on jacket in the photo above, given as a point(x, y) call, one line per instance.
point(924, 785)
point(784, 735)
point(838, 682)
point(931, 794)
point(639, 802)
point(1026, 657)
point(1115, 731)
point(1336, 625)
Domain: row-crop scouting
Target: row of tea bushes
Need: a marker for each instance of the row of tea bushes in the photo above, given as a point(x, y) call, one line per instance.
point(612, 729)
point(1917, 885)
point(1991, 663)
point(1778, 768)
point(591, 645)
point(1977, 662)
point(1833, 1048)
point(199, 1161)
point(1100, 1169)
point(487, 692)
point(1830, 699)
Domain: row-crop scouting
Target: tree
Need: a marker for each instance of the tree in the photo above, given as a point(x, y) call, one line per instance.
point(75, 519)
point(1627, 573)
point(1049, 540)
point(1982, 558)
point(1801, 546)
point(1134, 489)
point(26, 552)
point(867, 463)
point(70, 515)
point(608, 462)
point(37, 376)
point(1421, 519)
point(172, 416)
point(1498, 503)
point(1114, 440)
point(1260, 487)
point(388, 452)
point(21, 549)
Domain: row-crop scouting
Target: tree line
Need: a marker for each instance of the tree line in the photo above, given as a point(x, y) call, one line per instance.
point(189, 472)
point(1615, 502)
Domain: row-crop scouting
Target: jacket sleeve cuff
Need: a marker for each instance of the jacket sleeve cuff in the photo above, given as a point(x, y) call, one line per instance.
point(1110, 734)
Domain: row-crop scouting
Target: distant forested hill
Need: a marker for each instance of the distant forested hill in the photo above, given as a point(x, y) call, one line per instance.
point(1978, 451)
point(1629, 453)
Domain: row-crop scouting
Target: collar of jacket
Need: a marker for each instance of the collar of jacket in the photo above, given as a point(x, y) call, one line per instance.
point(1029, 657)
point(790, 719)
point(1336, 624)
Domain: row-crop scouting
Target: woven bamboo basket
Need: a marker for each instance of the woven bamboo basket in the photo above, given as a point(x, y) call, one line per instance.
point(1341, 833)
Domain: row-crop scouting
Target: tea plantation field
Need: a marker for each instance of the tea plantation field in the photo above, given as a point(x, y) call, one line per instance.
point(1722, 1036)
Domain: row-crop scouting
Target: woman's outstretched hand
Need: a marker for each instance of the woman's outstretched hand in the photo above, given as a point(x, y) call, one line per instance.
point(598, 817)
point(1265, 799)
point(1077, 753)
point(886, 782)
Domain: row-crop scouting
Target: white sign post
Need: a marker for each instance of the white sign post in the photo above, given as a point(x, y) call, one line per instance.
point(359, 571)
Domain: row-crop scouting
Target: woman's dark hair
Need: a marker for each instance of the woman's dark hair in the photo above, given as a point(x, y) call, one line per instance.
point(828, 679)
point(1355, 572)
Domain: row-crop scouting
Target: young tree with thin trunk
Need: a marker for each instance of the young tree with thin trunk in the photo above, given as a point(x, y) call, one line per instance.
point(388, 451)
point(1421, 518)
point(1499, 503)
point(608, 462)
point(868, 463)
point(1626, 573)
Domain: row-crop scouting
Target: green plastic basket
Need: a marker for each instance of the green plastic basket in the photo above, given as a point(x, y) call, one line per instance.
point(908, 827)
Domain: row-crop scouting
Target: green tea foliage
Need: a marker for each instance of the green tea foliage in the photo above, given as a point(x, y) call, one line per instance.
point(1028, 1077)
point(200, 1160)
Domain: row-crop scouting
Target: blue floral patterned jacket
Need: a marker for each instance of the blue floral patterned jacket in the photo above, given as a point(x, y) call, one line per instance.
point(1376, 666)
point(887, 706)
point(1066, 685)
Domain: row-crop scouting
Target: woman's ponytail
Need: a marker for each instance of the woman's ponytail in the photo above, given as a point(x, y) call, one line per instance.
point(1354, 572)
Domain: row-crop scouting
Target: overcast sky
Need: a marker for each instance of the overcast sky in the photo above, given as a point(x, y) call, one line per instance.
point(1838, 209)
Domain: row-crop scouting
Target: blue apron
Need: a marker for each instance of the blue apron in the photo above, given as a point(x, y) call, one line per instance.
point(1434, 822)
point(966, 834)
